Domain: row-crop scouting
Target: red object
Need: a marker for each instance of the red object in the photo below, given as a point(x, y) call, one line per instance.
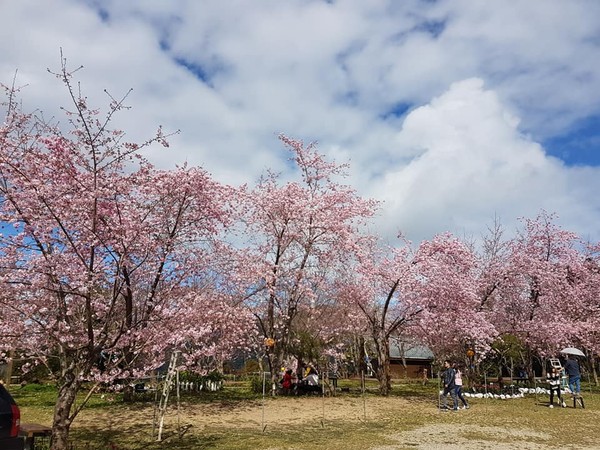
point(287, 381)
point(16, 421)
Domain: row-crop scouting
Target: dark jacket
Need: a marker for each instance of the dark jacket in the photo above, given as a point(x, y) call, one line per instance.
point(572, 368)
point(448, 377)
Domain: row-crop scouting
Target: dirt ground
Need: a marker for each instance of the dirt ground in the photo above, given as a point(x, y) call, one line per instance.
point(461, 430)
point(452, 437)
point(429, 437)
point(285, 411)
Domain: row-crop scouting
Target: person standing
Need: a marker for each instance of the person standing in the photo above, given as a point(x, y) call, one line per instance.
point(574, 373)
point(458, 382)
point(553, 377)
point(448, 378)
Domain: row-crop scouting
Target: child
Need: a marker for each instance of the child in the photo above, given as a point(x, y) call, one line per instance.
point(553, 377)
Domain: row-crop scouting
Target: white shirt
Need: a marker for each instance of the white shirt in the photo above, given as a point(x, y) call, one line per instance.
point(312, 380)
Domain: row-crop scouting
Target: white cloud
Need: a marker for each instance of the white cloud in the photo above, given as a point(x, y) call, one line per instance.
point(472, 163)
point(346, 73)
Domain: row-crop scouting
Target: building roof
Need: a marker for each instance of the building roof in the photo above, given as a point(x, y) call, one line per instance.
point(411, 350)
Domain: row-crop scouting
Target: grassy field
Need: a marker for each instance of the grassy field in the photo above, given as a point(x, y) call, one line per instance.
point(235, 418)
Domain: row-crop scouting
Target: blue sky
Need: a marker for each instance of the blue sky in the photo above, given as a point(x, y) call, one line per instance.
point(450, 112)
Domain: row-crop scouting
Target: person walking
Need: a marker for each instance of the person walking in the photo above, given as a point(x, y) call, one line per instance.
point(448, 378)
point(458, 382)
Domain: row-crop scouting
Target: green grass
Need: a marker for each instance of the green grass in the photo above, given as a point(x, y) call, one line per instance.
point(396, 422)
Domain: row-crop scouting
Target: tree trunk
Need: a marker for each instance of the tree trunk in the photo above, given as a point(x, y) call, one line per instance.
point(593, 368)
point(362, 356)
point(62, 413)
point(544, 363)
point(9, 368)
point(275, 359)
point(530, 366)
point(128, 393)
point(383, 370)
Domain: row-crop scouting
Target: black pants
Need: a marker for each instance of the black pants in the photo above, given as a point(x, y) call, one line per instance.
point(459, 394)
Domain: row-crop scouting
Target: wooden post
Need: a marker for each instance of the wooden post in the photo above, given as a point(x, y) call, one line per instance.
point(9, 368)
point(363, 387)
point(264, 384)
point(323, 392)
point(178, 404)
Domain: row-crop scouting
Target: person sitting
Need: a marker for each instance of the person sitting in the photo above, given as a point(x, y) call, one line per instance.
point(310, 382)
point(287, 383)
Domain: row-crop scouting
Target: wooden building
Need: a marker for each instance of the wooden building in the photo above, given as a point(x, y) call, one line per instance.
point(409, 359)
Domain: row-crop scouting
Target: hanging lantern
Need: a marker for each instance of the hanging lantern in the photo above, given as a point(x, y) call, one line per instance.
point(269, 342)
point(470, 352)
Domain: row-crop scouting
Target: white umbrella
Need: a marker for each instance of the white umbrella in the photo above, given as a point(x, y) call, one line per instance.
point(572, 351)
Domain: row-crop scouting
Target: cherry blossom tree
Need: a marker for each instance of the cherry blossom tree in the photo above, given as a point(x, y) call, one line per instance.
point(492, 263)
point(582, 316)
point(297, 232)
point(95, 247)
point(381, 286)
point(207, 326)
point(492, 267)
point(320, 333)
point(535, 297)
point(451, 321)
